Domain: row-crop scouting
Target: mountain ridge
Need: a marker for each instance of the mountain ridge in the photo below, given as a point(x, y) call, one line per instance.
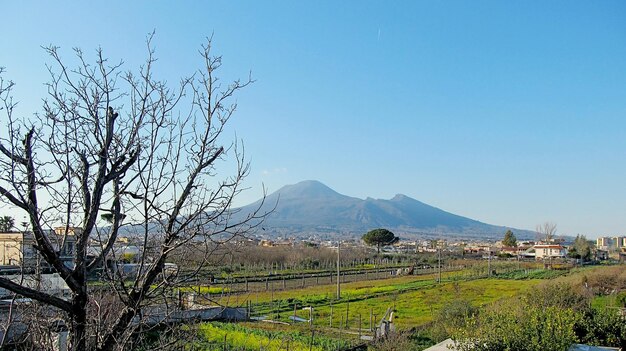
point(311, 207)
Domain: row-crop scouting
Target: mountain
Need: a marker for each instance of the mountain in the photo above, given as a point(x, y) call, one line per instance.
point(310, 207)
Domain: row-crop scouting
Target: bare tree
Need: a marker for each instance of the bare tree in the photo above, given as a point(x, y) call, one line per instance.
point(119, 152)
point(546, 231)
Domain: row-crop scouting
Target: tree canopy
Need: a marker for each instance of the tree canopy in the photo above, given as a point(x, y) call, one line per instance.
point(7, 223)
point(509, 239)
point(582, 248)
point(380, 237)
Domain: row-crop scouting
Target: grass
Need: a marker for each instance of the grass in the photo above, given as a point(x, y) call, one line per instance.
point(533, 274)
point(415, 298)
point(211, 290)
point(253, 337)
point(352, 289)
point(416, 307)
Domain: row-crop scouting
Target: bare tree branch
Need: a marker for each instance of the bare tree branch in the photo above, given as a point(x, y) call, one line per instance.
point(35, 294)
point(122, 153)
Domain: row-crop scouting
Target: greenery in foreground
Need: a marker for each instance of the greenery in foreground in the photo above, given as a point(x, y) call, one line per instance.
point(242, 337)
point(553, 316)
point(415, 298)
point(517, 310)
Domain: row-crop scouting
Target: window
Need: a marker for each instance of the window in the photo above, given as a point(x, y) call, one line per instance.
point(69, 250)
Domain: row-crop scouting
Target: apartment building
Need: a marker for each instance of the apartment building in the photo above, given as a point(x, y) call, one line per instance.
point(18, 248)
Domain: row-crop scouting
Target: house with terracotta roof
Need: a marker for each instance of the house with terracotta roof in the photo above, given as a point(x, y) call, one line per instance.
point(546, 251)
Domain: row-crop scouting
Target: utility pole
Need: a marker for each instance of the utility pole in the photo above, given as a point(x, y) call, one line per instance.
point(489, 263)
point(338, 271)
point(439, 259)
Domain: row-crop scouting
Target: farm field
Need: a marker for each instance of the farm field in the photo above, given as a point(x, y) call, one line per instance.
point(336, 324)
point(417, 302)
point(414, 299)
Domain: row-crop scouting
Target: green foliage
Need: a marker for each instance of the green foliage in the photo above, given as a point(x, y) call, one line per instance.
point(129, 257)
point(551, 317)
point(582, 248)
point(108, 217)
point(604, 327)
point(521, 274)
point(621, 299)
point(7, 223)
point(380, 237)
point(210, 290)
point(509, 239)
point(240, 337)
point(518, 327)
point(559, 295)
point(451, 317)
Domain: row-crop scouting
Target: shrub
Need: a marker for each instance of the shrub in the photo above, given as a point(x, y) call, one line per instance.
point(519, 328)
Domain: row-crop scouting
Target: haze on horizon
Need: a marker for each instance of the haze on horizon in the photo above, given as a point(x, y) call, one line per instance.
point(511, 113)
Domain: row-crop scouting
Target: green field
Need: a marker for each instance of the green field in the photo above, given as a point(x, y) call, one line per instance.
point(253, 337)
point(415, 300)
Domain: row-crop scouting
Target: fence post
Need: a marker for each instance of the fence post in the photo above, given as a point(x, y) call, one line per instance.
point(312, 337)
point(347, 313)
point(331, 314)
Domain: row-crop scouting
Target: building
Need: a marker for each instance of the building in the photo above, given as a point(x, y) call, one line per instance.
point(602, 255)
point(18, 248)
point(603, 242)
point(609, 243)
point(545, 251)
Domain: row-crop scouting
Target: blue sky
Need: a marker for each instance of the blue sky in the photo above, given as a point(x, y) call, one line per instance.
point(512, 113)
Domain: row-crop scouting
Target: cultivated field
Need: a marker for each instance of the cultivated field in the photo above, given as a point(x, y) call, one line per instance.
point(336, 323)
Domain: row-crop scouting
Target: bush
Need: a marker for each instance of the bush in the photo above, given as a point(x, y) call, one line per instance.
point(603, 327)
point(607, 281)
point(451, 317)
point(396, 341)
point(560, 295)
point(519, 327)
point(550, 317)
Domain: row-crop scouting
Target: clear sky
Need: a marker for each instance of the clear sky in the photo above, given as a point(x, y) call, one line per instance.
point(509, 112)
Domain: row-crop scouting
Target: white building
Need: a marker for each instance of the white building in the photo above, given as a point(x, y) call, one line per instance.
point(543, 251)
point(609, 243)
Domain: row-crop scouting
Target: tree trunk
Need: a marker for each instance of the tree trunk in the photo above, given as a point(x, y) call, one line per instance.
point(78, 334)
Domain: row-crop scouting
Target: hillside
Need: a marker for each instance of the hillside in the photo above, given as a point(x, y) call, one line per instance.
point(310, 207)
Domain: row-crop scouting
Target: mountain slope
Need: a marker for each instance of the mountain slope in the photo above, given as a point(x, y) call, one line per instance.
point(310, 207)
